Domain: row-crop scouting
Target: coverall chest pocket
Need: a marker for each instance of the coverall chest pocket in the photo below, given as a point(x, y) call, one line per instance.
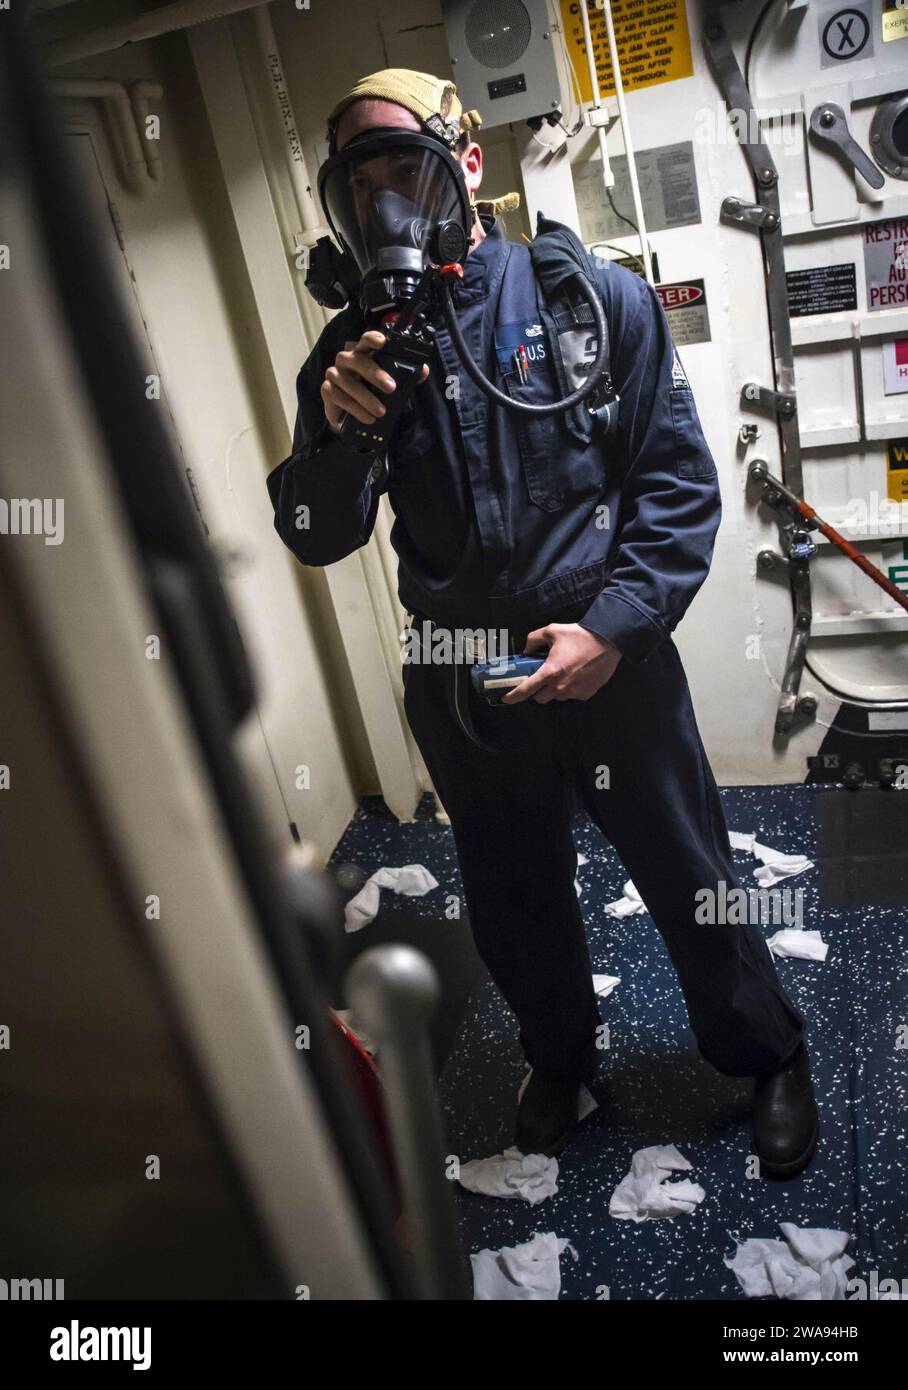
point(559, 469)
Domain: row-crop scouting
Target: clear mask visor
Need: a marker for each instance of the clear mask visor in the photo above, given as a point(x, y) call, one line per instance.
point(389, 197)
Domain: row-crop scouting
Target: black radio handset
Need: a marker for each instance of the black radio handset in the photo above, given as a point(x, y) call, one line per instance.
point(409, 337)
point(403, 358)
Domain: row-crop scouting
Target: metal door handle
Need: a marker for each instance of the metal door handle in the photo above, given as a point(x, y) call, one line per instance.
point(830, 126)
point(393, 990)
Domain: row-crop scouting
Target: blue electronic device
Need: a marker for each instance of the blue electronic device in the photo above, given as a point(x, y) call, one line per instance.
point(493, 679)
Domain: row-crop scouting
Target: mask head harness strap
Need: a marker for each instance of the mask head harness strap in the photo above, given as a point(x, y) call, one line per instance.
point(435, 104)
point(432, 100)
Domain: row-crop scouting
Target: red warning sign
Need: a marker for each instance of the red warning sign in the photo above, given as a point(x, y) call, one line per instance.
point(684, 303)
point(674, 296)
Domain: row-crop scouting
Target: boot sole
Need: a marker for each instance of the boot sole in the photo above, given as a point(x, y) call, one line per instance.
point(794, 1165)
point(551, 1150)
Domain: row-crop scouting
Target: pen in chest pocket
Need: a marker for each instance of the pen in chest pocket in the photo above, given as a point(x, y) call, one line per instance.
point(521, 362)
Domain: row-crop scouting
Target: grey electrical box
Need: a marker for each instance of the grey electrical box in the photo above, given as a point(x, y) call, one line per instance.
point(502, 58)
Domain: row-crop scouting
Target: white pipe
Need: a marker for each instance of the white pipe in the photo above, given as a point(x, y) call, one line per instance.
point(142, 161)
point(608, 178)
point(140, 94)
point(625, 131)
point(180, 15)
point(280, 96)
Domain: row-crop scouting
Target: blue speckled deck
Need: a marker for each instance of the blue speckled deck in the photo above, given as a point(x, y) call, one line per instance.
point(653, 1088)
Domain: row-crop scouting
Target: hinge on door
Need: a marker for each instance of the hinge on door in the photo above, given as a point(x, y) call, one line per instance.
point(763, 400)
point(741, 214)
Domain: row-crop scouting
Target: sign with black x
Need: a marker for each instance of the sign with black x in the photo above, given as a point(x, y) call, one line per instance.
point(846, 33)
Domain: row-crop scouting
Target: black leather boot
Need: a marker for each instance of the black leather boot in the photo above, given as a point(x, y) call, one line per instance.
point(546, 1115)
point(786, 1125)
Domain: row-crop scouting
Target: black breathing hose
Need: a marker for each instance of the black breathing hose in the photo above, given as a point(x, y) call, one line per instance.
point(597, 371)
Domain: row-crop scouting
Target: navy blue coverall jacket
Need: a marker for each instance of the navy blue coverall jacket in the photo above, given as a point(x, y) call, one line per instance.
point(508, 521)
point(504, 522)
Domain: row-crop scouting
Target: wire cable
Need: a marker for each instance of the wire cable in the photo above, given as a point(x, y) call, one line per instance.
point(625, 255)
point(620, 215)
point(754, 33)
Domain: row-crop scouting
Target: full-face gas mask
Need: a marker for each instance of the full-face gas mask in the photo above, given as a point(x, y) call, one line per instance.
point(397, 203)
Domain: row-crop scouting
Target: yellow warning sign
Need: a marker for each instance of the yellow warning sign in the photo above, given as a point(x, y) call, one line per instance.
point(897, 470)
point(651, 37)
point(895, 24)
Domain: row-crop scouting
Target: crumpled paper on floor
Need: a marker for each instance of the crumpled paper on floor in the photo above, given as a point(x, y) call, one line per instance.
point(581, 860)
point(646, 1195)
point(800, 945)
point(628, 905)
point(776, 865)
point(810, 1264)
point(534, 1177)
point(514, 1174)
point(520, 1273)
point(413, 880)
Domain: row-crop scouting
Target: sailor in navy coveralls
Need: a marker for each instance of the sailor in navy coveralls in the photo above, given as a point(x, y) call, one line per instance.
point(594, 550)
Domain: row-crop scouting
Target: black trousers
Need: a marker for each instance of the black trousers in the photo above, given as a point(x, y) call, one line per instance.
point(632, 756)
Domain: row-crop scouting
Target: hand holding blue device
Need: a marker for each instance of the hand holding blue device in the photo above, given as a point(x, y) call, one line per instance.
point(493, 679)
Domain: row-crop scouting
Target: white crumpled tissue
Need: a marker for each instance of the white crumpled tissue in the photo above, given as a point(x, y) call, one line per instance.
point(627, 906)
point(800, 945)
point(521, 1272)
point(413, 880)
point(645, 1195)
point(512, 1174)
point(809, 1265)
point(776, 865)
